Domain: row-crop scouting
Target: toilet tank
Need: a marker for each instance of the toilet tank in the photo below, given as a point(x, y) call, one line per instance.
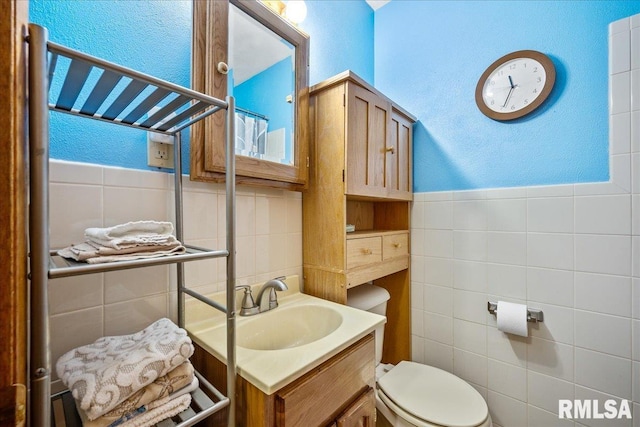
point(373, 299)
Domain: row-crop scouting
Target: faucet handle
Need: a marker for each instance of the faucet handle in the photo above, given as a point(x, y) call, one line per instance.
point(249, 306)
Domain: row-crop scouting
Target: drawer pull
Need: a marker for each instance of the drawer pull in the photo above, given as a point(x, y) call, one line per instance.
point(367, 251)
point(397, 245)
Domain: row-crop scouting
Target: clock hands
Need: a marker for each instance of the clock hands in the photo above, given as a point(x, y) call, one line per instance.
point(506, 101)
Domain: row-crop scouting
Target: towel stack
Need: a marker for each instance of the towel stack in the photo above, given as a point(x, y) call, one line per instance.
point(133, 380)
point(133, 240)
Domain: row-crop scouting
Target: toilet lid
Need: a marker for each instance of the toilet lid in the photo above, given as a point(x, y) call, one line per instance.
point(434, 395)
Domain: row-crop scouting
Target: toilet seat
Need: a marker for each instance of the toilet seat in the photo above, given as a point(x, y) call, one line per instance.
point(428, 396)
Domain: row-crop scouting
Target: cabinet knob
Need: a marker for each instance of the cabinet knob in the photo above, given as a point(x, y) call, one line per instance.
point(391, 149)
point(397, 245)
point(222, 68)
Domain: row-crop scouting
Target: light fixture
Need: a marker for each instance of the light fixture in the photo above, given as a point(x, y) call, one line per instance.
point(295, 11)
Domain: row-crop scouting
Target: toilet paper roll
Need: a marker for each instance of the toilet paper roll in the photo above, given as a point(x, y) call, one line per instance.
point(512, 318)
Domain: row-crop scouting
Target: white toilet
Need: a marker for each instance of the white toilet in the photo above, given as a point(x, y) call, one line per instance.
point(413, 394)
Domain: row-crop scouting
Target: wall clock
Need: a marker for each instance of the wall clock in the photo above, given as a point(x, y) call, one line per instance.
point(515, 85)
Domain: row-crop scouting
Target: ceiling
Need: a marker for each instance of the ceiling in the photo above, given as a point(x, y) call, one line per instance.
point(377, 4)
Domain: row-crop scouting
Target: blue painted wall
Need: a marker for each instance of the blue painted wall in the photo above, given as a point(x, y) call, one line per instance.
point(431, 62)
point(150, 36)
point(155, 37)
point(342, 34)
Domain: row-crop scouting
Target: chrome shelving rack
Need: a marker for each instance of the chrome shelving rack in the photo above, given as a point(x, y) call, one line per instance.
point(183, 107)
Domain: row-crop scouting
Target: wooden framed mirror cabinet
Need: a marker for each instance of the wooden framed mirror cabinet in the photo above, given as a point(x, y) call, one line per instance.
point(245, 49)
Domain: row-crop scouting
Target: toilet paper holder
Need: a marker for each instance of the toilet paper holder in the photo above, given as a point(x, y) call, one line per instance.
point(533, 315)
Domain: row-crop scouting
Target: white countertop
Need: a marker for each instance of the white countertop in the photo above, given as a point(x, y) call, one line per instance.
point(270, 370)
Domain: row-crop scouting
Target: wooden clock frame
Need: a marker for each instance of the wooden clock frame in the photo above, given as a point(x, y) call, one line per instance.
point(549, 69)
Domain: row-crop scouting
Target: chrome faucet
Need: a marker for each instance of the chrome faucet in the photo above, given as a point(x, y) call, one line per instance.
point(272, 285)
point(250, 307)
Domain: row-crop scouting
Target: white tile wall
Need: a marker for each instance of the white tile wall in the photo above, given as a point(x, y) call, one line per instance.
point(550, 286)
point(587, 393)
point(85, 308)
point(540, 418)
point(572, 251)
point(603, 293)
point(508, 281)
point(506, 411)
point(470, 366)
point(545, 391)
point(507, 379)
point(470, 275)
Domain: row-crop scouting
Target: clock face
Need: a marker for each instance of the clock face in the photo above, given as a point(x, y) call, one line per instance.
point(515, 85)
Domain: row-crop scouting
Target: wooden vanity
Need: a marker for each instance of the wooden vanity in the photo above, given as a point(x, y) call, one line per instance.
point(287, 375)
point(339, 392)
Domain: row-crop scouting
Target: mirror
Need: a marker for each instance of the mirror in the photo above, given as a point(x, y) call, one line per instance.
point(262, 80)
point(267, 63)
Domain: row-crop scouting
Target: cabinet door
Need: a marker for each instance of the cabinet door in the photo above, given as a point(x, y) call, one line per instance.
point(398, 158)
point(283, 164)
point(319, 396)
point(368, 127)
point(361, 413)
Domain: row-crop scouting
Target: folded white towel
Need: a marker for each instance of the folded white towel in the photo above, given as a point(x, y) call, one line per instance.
point(132, 234)
point(103, 374)
point(137, 255)
point(133, 228)
point(86, 250)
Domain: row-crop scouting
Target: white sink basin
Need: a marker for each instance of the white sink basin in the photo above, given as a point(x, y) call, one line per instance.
point(277, 347)
point(287, 327)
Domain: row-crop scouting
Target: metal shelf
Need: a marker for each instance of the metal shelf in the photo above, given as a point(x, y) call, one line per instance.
point(64, 267)
point(108, 101)
point(72, 82)
point(65, 414)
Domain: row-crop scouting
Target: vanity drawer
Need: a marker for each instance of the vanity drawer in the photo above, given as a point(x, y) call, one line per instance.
point(395, 245)
point(363, 251)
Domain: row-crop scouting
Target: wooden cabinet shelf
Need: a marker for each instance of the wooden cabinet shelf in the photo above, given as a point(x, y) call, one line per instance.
point(360, 174)
point(375, 233)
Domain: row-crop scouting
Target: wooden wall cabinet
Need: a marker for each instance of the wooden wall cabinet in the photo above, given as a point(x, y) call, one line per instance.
point(378, 162)
point(360, 174)
point(338, 392)
point(210, 49)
